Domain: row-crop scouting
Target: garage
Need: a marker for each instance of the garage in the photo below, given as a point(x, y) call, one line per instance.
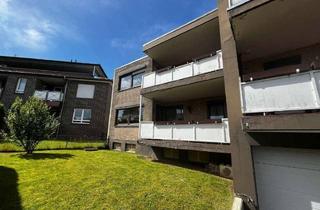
point(287, 179)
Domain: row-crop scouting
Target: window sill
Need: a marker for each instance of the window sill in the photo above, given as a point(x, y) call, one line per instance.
point(129, 89)
point(81, 123)
point(16, 92)
point(127, 125)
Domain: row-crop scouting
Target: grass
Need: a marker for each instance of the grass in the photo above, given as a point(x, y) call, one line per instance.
point(53, 145)
point(72, 179)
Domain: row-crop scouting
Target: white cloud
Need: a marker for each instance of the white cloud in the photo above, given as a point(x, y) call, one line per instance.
point(26, 27)
point(136, 42)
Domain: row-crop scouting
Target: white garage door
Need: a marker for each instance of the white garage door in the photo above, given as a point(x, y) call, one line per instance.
point(287, 179)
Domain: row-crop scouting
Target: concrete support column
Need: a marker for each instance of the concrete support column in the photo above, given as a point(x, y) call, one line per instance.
point(244, 183)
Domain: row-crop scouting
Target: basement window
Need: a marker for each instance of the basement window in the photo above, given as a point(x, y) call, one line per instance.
point(287, 61)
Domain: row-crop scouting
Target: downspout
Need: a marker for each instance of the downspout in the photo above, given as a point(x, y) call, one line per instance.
point(110, 111)
point(63, 99)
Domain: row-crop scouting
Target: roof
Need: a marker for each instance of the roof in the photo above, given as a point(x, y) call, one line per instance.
point(53, 65)
point(182, 29)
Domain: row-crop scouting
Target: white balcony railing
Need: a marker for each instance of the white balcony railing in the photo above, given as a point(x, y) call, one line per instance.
point(234, 3)
point(294, 92)
point(214, 132)
point(209, 64)
point(48, 95)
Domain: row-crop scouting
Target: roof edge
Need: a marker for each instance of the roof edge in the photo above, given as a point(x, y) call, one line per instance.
point(153, 43)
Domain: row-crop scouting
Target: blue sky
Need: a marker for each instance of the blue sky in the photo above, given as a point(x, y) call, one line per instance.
point(109, 32)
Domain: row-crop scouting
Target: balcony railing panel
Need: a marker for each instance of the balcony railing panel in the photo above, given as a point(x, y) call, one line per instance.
point(48, 95)
point(233, 3)
point(214, 132)
point(182, 72)
point(42, 95)
point(294, 92)
point(203, 66)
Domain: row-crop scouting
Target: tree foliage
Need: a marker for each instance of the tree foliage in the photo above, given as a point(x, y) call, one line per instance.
point(29, 123)
point(2, 120)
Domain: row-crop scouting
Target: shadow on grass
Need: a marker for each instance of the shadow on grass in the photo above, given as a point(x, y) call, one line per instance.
point(10, 198)
point(186, 165)
point(43, 156)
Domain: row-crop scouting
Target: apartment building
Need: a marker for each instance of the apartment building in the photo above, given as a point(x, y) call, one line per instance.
point(242, 80)
point(77, 93)
point(271, 64)
point(181, 98)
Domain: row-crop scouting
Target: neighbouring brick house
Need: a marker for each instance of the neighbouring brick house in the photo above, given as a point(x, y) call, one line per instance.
point(78, 93)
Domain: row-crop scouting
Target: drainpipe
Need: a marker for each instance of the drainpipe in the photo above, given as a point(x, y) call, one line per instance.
point(140, 113)
point(110, 111)
point(63, 99)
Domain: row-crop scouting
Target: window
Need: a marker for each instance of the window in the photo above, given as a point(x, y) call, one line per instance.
point(216, 110)
point(125, 82)
point(293, 60)
point(169, 113)
point(131, 80)
point(137, 80)
point(81, 116)
point(21, 85)
point(127, 116)
point(85, 91)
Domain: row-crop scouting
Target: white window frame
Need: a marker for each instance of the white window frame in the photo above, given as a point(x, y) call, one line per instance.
point(81, 95)
point(81, 121)
point(18, 85)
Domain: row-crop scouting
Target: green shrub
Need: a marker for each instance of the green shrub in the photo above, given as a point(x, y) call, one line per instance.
point(29, 123)
point(2, 121)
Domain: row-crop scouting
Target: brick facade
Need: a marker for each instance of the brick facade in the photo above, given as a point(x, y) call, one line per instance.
point(125, 99)
point(67, 76)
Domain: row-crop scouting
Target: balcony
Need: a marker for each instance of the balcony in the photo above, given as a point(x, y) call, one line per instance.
point(202, 66)
point(234, 3)
point(294, 92)
point(195, 132)
point(49, 95)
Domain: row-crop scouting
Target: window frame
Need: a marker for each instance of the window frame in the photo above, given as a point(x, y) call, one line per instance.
point(94, 90)
point(131, 75)
point(216, 104)
point(128, 123)
point(81, 121)
point(18, 85)
point(160, 109)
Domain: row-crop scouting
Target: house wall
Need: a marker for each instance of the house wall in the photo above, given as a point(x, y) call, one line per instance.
point(125, 99)
point(194, 110)
point(9, 94)
point(310, 58)
point(100, 106)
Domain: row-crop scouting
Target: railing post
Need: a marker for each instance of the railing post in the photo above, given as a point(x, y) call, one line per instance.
point(195, 132)
point(140, 114)
point(171, 75)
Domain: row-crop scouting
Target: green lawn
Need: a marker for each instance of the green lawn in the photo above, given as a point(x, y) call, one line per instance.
point(70, 179)
point(53, 144)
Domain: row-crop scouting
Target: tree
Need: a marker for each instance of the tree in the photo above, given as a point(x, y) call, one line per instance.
point(29, 123)
point(2, 120)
